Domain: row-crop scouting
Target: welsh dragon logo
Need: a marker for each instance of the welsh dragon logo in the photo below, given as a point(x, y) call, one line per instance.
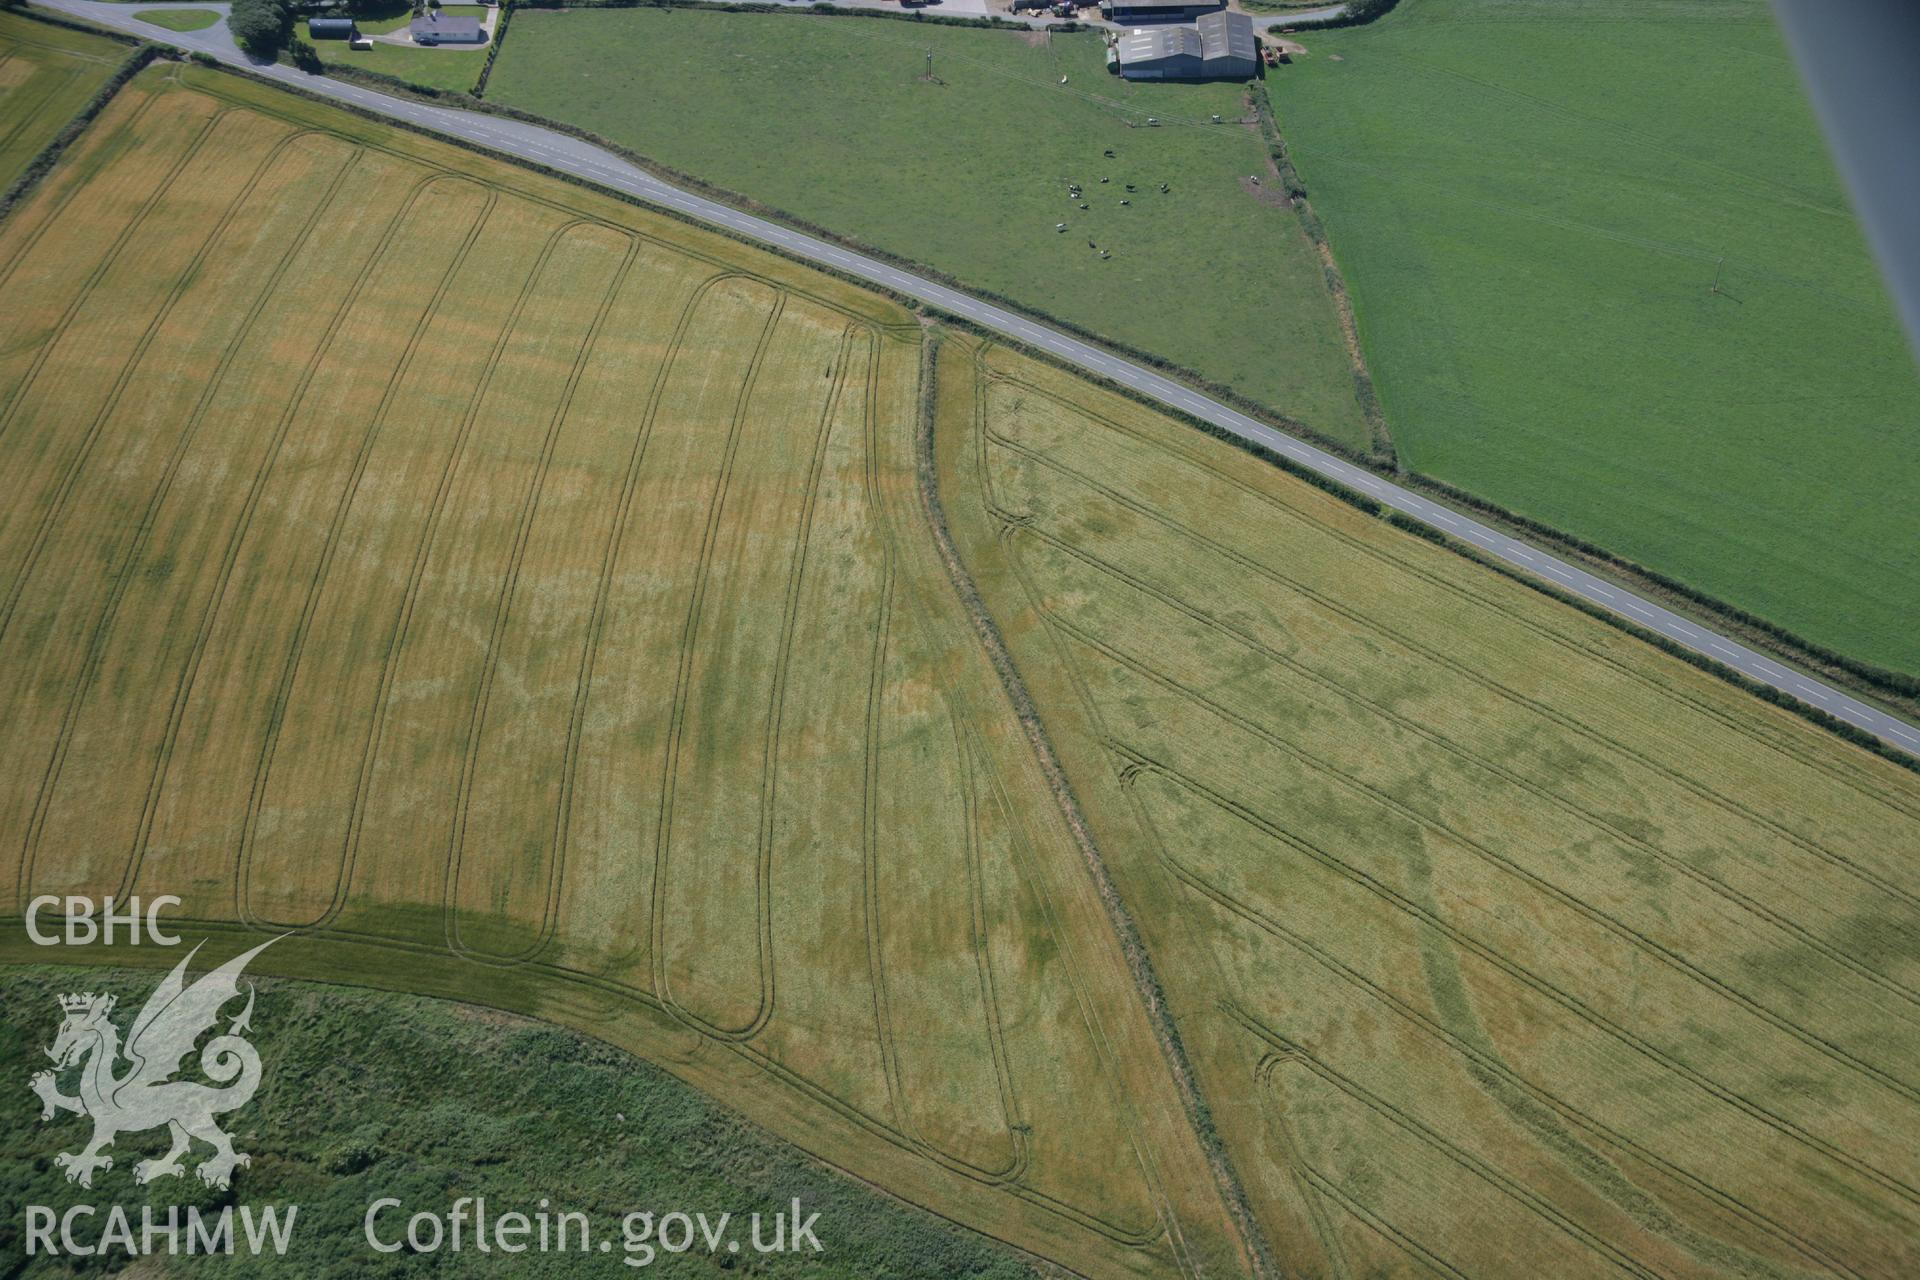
point(144, 1095)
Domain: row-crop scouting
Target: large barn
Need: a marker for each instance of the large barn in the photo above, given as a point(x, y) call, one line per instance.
point(1132, 11)
point(1228, 48)
point(1219, 46)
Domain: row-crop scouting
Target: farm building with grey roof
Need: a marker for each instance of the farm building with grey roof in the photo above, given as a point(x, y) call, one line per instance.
point(446, 29)
point(1219, 46)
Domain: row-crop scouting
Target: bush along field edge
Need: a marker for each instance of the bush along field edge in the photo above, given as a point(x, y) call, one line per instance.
point(494, 47)
point(38, 168)
point(1382, 453)
point(748, 204)
point(1127, 933)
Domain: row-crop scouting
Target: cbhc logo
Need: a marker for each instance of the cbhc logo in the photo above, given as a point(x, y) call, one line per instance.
point(86, 922)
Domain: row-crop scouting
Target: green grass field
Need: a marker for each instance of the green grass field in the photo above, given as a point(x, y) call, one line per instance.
point(831, 120)
point(527, 598)
point(180, 19)
point(47, 74)
point(357, 1105)
point(1531, 202)
point(1504, 945)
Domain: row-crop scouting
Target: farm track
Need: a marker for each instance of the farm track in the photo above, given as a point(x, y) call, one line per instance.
point(216, 598)
point(1496, 1069)
point(51, 218)
point(929, 496)
point(1540, 1209)
point(982, 924)
point(1491, 1066)
point(342, 879)
point(28, 119)
point(1533, 982)
point(369, 870)
point(768, 794)
point(42, 83)
point(1008, 522)
point(1328, 1191)
point(456, 451)
point(617, 531)
point(590, 163)
point(897, 1090)
point(10, 406)
point(1197, 882)
point(237, 536)
point(1119, 1233)
point(1020, 1154)
point(1761, 995)
point(1147, 670)
point(1076, 567)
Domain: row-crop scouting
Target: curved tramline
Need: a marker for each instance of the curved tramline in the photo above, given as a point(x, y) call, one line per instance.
point(514, 595)
point(688, 653)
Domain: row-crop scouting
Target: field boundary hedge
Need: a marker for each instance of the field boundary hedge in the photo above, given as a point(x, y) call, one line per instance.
point(772, 213)
point(37, 169)
point(493, 46)
point(1363, 388)
point(1133, 946)
point(1900, 688)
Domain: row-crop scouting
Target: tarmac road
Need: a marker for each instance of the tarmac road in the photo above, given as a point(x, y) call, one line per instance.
point(582, 159)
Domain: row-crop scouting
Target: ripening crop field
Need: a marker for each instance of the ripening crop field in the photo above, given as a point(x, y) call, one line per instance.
point(47, 74)
point(1504, 945)
point(523, 597)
